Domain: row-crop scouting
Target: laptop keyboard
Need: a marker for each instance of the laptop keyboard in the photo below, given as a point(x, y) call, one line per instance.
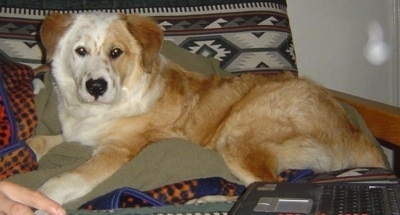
point(359, 199)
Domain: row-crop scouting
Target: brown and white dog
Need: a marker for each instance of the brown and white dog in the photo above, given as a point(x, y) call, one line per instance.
point(118, 94)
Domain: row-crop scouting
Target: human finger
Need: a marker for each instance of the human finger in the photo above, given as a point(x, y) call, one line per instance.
point(11, 207)
point(30, 198)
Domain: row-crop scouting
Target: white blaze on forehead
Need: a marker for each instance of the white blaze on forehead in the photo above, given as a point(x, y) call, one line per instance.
point(88, 30)
point(94, 24)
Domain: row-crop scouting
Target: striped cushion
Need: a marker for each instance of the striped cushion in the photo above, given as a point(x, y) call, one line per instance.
point(245, 36)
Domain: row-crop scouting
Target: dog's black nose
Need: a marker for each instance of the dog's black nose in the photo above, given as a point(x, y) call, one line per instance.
point(96, 87)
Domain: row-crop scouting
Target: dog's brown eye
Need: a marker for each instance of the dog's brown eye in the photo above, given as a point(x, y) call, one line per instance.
point(115, 53)
point(81, 51)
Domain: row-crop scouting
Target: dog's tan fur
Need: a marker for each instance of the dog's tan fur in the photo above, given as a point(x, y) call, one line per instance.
point(259, 124)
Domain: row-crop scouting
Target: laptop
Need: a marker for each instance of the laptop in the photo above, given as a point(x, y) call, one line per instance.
point(263, 198)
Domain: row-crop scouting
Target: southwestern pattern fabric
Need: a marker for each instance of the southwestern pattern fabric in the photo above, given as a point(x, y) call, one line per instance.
point(245, 36)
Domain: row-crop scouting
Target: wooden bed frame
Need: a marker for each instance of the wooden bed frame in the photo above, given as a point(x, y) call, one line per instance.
point(383, 121)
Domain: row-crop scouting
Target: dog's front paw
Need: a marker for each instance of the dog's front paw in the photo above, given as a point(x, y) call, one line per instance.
point(65, 188)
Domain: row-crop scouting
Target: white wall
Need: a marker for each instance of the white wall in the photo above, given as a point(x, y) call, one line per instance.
point(330, 37)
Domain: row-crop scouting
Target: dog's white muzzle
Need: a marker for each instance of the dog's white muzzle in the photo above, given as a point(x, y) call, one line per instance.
point(98, 84)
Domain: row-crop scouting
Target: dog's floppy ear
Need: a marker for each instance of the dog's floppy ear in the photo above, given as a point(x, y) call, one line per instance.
point(52, 30)
point(149, 35)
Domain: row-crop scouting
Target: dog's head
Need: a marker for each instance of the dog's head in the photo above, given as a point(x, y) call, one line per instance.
point(100, 53)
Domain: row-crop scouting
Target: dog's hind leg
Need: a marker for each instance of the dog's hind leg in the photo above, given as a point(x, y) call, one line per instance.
point(41, 144)
point(248, 162)
point(252, 161)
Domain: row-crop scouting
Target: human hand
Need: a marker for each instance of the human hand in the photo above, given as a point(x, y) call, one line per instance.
point(16, 200)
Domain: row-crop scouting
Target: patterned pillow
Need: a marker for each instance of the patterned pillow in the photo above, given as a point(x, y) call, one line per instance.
point(245, 36)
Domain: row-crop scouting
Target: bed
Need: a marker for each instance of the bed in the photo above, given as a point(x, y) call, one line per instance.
point(226, 37)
